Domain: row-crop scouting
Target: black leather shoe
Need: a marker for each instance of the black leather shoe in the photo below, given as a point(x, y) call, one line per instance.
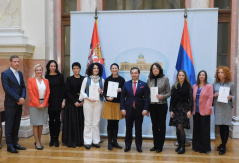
point(127, 149)
point(139, 149)
point(159, 150)
point(219, 147)
point(222, 151)
point(17, 146)
point(11, 149)
point(57, 144)
point(177, 149)
point(51, 142)
point(115, 144)
point(96, 145)
point(110, 146)
point(181, 150)
point(87, 146)
point(153, 149)
point(41, 148)
point(202, 151)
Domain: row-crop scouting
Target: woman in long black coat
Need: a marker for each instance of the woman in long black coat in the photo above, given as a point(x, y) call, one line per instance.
point(73, 119)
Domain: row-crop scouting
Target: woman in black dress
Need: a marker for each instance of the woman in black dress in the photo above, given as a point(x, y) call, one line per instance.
point(181, 105)
point(56, 100)
point(73, 120)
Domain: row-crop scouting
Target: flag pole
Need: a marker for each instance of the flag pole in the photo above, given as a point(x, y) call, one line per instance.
point(185, 12)
point(187, 143)
point(96, 12)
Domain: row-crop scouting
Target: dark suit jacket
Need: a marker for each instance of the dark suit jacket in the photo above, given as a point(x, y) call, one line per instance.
point(141, 97)
point(13, 91)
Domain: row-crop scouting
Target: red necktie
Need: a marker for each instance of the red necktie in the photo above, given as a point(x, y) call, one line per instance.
point(134, 90)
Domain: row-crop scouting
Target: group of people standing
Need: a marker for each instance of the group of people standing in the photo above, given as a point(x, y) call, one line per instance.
point(134, 100)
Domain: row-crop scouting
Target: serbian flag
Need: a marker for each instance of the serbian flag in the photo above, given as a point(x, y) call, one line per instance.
point(185, 58)
point(95, 54)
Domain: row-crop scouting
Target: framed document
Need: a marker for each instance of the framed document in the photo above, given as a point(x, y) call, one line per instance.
point(94, 92)
point(223, 94)
point(112, 89)
point(153, 94)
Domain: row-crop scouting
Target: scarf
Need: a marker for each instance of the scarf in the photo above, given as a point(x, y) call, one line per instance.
point(95, 79)
point(155, 79)
point(181, 93)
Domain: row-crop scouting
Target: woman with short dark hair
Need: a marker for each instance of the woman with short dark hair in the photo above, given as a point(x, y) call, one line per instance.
point(158, 110)
point(111, 109)
point(92, 107)
point(73, 117)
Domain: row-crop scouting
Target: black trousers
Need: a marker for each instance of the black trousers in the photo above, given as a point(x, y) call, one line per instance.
point(201, 133)
point(54, 123)
point(130, 120)
point(12, 124)
point(158, 113)
point(224, 134)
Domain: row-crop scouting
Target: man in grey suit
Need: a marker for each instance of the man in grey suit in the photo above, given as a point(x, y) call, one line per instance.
point(15, 93)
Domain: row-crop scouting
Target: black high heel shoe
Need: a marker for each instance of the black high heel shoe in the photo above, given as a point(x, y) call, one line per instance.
point(38, 148)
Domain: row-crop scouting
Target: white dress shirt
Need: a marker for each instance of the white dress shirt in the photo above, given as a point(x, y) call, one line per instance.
point(41, 89)
point(15, 72)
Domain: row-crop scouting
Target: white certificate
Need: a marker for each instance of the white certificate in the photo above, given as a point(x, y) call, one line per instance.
point(153, 94)
point(223, 94)
point(112, 89)
point(94, 92)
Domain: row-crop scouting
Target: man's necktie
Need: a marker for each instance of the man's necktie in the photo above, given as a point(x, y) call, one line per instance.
point(17, 76)
point(134, 90)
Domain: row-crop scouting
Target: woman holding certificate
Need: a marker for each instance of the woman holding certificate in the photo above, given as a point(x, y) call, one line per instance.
point(223, 104)
point(111, 109)
point(73, 117)
point(202, 111)
point(92, 93)
point(159, 93)
point(181, 105)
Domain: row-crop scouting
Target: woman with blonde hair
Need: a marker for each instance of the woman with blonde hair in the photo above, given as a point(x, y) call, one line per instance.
point(39, 91)
point(223, 111)
point(181, 105)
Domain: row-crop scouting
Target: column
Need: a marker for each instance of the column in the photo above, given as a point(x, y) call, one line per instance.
point(14, 41)
point(234, 128)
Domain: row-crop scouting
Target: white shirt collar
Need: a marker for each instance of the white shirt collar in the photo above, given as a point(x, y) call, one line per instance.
point(13, 70)
point(135, 81)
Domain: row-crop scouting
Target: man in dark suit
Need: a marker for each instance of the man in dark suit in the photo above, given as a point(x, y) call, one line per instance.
point(15, 93)
point(134, 105)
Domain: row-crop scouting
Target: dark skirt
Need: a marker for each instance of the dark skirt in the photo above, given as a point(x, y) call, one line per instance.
point(73, 126)
point(3, 116)
point(180, 117)
point(201, 133)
